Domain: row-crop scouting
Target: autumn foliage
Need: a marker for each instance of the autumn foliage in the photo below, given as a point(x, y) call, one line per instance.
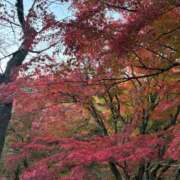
point(111, 108)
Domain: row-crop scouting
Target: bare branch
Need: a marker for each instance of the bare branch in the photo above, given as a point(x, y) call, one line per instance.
point(20, 13)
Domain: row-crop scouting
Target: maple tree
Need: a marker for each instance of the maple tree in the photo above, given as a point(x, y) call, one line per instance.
point(111, 109)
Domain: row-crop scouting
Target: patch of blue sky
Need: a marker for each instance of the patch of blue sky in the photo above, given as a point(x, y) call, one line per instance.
point(62, 11)
point(114, 15)
point(59, 9)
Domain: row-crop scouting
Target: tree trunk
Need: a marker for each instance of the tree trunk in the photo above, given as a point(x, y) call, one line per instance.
point(115, 171)
point(5, 116)
point(5, 108)
point(141, 171)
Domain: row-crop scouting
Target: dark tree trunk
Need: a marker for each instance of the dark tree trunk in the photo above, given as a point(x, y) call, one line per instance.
point(177, 174)
point(141, 171)
point(115, 171)
point(5, 108)
point(5, 116)
point(17, 59)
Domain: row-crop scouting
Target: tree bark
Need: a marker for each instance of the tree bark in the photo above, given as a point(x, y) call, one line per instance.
point(141, 171)
point(5, 108)
point(17, 59)
point(5, 116)
point(115, 171)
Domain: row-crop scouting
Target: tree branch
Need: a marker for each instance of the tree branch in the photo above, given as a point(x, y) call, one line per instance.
point(20, 13)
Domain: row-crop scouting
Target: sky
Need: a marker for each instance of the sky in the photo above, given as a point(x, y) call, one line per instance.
point(61, 10)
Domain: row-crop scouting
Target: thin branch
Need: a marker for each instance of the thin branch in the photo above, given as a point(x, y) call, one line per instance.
point(167, 33)
point(4, 57)
point(45, 49)
point(110, 5)
point(11, 22)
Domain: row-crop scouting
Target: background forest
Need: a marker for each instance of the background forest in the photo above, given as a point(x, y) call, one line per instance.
point(89, 89)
